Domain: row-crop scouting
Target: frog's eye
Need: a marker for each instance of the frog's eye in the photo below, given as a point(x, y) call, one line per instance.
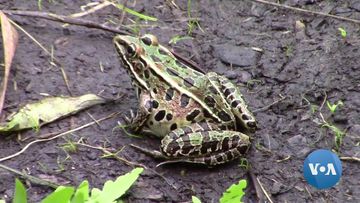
point(146, 40)
point(131, 50)
point(149, 39)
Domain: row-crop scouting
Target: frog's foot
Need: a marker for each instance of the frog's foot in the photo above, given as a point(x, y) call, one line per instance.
point(134, 122)
point(204, 145)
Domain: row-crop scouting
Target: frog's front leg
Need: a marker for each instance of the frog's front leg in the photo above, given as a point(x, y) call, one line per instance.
point(205, 144)
point(136, 122)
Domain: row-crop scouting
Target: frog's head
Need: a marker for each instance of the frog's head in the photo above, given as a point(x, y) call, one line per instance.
point(133, 52)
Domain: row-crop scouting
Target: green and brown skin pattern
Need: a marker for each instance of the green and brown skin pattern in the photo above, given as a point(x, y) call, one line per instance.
point(198, 116)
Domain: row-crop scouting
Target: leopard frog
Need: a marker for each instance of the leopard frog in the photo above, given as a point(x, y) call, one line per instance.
point(201, 118)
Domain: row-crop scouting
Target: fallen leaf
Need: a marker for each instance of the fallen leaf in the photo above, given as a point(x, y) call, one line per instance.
point(10, 39)
point(48, 110)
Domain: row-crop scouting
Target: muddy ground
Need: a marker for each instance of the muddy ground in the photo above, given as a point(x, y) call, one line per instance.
point(307, 65)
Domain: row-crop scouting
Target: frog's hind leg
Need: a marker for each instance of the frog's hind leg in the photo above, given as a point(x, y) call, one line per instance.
point(205, 145)
point(233, 96)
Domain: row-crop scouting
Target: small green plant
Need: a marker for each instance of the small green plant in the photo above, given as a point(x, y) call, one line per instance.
point(343, 32)
point(192, 23)
point(178, 38)
point(195, 199)
point(333, 107)
point(339, 134)
point(244, 163)
point(112, 190)
point(234, 193)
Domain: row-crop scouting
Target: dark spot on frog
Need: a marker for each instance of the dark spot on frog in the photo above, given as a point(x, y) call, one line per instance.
point(242, 149)
point(219, 158)
point(180, 64)
point(229, 91)
point(147, 74)
point(229, 156)
point(207, 114)
point(213, 90)
point(169, 94)
point(184, 100)
point(173, 126)
point(162, 52)
point(156, 59)
point(155, 91)
point(155, 104)
point(152, 72)
point(160, 115)
point(245, 117)
point(188, 82)
point(172, 72)
point(209, 101)
point(224, 116)
point(235, 103)
point(225, 144)
point(169, 116)
point(151, 122)
point(192, 115)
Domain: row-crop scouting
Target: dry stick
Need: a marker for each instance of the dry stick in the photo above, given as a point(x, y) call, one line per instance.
point(308, 11)
point(350, 158)
point(59, 135)
point(263, 190)
point(31, 178)
point(65, 19)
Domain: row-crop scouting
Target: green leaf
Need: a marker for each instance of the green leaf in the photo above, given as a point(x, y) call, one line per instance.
point(178, 38)
point(333, 107)
point(62, 194)
point(195, 199)
point(82, 193)
point(343, 32)
point(20, 192)
point(135, 13)
point(234, 193)
point(2, 201)
point(113, 190)
point(48, 110)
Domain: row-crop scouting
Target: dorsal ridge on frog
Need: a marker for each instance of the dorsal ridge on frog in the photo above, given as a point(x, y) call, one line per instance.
point(198, 116)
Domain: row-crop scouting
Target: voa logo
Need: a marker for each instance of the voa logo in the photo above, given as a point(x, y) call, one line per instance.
point(322, 169)
point(328, 170)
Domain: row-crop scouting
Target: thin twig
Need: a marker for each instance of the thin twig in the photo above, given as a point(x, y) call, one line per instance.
point(270, 105)
point(57, 136)
point(264, 191)
point(66, 19)
point(308, 11)
point(350, 158)
point(31, 178)
point(91, 10)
